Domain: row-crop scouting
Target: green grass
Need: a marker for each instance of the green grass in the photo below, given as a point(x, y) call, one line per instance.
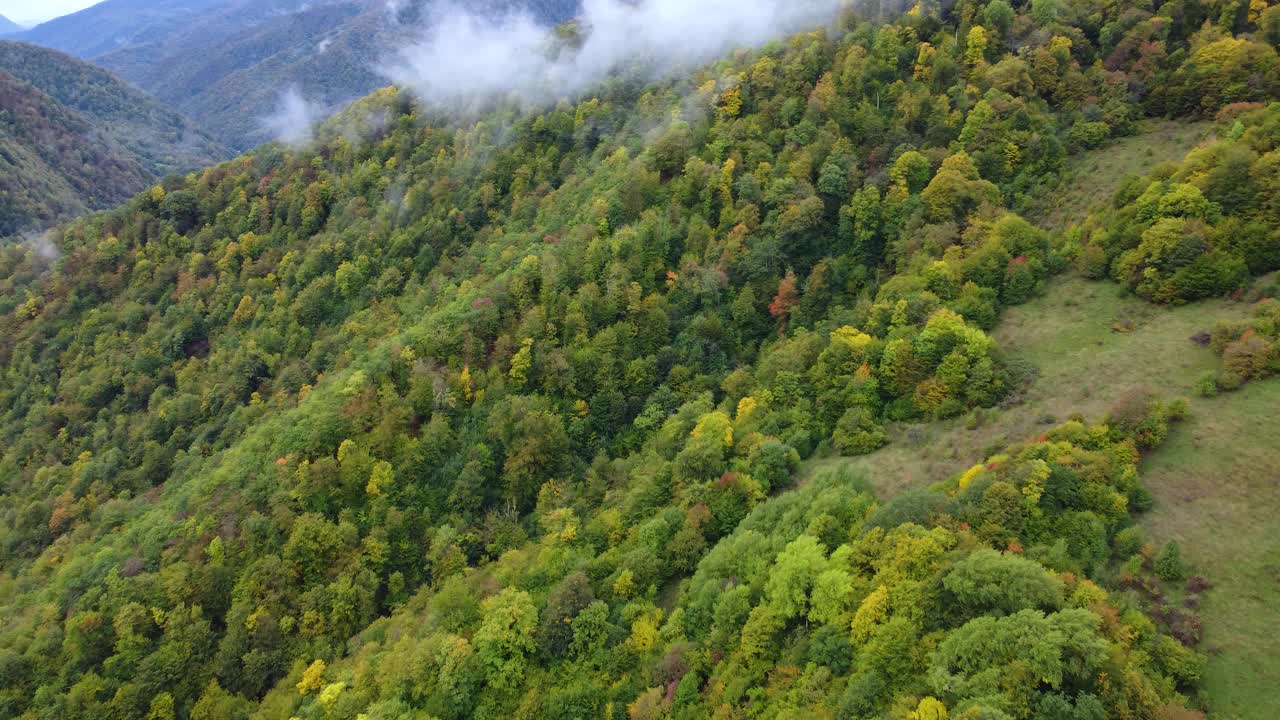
point(1092, 178)
point(1217, 487)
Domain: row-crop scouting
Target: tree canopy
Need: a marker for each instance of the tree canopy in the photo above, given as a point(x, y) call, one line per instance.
point(504, 415)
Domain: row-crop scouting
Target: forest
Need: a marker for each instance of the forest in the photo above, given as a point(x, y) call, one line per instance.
point(512, 414)
point(74, 138)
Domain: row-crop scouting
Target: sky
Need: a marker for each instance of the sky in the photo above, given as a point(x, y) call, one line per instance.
point(29, 12)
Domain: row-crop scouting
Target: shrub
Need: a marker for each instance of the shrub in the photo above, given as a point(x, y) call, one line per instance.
point(1132, 407)
point(1019, 281)
point(1092, 262)
point(857, 432)
point(1211, 275)
point(1228, 380)
point(1169, 565)
point(1088, 135)
point(1247, 357)
point(1133, 566)
point(1207, 385)
point(917, 506)
point(1129, 541)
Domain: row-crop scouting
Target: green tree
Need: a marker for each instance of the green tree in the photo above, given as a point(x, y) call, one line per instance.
point(1054, 651)
point(989, 582)
point(505, 637)
point(793, 576)
point(1168, 563)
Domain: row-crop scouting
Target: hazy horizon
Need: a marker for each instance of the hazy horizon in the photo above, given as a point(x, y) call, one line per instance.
point(25, 12)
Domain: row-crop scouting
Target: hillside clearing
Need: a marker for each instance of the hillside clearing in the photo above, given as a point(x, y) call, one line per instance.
point(1093, 177)
point(1082, 361)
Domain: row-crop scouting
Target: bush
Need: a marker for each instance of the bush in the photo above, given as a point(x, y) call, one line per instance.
point(1020, 281)
point(1092, 262)
point(1212, 275)
point(917, 506)
point(1131, 409)
point(1247, 357)
point(1228, 380)
point(1129, 541)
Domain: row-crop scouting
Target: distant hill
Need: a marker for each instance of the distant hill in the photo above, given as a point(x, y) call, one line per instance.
point(230, 77)
point(225, 63)
point(53, 165)
point(73, 138)
point(8, 26)
point(109, 25)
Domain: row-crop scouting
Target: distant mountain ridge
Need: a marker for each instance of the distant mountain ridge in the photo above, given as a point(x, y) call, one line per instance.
point(73, 138)
point(8, 26)
point(225, 63)
point(113, 24)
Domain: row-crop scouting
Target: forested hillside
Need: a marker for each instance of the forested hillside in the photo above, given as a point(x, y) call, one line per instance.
point(227, 62)
point(75, 138)
point(53, 167)
point(505, 415)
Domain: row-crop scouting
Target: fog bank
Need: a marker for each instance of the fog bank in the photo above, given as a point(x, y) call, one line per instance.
point(465, 57)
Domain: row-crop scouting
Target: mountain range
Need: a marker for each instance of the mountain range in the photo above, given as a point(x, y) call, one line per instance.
point(226, 63)
point(73, 138)
point(8, 26)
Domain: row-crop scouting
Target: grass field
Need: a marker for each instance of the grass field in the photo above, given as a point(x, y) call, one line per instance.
point(1082, 362)
point(1216, 480)
point(1217, 487)
point(1092, 178)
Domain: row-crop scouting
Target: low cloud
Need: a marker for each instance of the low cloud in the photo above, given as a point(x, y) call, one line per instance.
point(44, 248)
point(41, 245)
point(467, 57)
point(295, 119)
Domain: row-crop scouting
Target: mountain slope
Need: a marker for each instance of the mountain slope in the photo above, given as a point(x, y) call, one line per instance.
point(226, 62)
point(501, 417)
point(231, 81)
point(8, 27)
point(77, 138)
point(54, 165)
